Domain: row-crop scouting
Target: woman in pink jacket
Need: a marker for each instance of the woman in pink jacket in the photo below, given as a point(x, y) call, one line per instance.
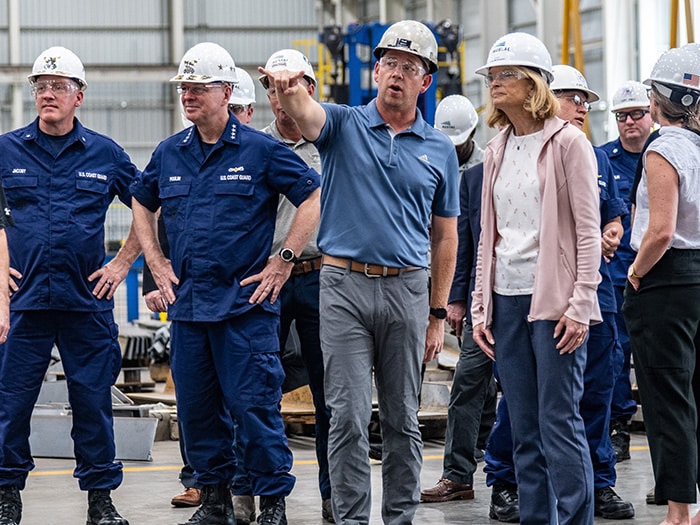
point(536, 280)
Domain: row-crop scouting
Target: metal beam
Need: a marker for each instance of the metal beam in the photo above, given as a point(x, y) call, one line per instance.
point(13, 36)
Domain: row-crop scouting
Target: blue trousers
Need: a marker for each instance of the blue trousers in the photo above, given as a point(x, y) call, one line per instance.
point(472, 407)
point(623, 404)
point(91, 358)
point(595, 406)
point(300, 303)
point(498, 456)
point(552, 461)
point(231, 369)
point(300, 298)
point(598, 381)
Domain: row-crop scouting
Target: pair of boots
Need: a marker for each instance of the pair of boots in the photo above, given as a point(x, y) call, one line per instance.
point(101, 510)
point(217, 508)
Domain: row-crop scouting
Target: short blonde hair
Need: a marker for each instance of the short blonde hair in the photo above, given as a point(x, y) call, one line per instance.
point(541, 105)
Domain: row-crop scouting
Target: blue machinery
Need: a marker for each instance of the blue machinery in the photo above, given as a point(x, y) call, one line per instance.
point(358, 62)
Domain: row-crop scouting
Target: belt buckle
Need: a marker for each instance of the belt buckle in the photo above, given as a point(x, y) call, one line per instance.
point(371, 275)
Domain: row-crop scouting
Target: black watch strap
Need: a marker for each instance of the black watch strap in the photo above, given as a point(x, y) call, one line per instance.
point(438, 313)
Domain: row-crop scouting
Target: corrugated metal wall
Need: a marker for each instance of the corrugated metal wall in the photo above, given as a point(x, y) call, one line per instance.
point(137, 33)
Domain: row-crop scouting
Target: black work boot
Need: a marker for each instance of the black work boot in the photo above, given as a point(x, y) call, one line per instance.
point(216, 508)
point(620, 437)
point(10, 506)
point(504, 503)
point(272, 511)
point(101, 510)
point(610, 506)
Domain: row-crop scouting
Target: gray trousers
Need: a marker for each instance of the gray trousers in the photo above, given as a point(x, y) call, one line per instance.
point(472, 410)
point(373, 323)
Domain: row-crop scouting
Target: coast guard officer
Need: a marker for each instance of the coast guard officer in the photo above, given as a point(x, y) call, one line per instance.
point(60, 179)
point(218, 184)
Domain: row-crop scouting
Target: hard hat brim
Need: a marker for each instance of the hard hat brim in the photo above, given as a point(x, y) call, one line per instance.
point(32, 78)
point(548, 76)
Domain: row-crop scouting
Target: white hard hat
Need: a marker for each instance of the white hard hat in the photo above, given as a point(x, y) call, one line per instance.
point(412, 37)
point(519, 49)
point(206, 62)
point(631, 94)
point(243, 89)
point(456, 117)
point(290, 59)
point(568, 78)
point(678, 72)
point(60, 62)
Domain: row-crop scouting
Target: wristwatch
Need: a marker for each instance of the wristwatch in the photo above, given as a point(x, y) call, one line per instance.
point(438, 313)
point(631, 274)
point(288, 255)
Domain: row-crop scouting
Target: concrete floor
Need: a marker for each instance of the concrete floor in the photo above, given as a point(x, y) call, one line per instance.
point(52, 496)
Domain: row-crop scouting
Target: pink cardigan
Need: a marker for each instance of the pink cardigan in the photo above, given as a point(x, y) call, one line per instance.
point(566, 276)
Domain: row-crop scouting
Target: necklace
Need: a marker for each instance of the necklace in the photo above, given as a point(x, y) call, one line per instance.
point(518, 141)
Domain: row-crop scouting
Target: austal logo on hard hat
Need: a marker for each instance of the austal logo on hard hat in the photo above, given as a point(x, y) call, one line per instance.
point(402, 42)
point(500, 47)
point(447, 125)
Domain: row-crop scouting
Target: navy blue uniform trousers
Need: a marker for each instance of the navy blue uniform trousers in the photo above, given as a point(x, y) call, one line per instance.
point(228, 369)
point(91, 358)
point(300, 300)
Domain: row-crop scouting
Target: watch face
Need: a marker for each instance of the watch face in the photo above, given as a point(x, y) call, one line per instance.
point(287, 254)
point(438, 313)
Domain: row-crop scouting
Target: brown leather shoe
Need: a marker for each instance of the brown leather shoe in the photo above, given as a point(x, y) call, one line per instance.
point(192, 497)
point(447, 490)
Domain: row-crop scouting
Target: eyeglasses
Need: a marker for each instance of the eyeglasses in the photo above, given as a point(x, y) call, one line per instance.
point(407, 68)
point(57, 87)
point(503, 76)
point(197, 90)
point(576, 100)
point(237, 108)
point(636, 114)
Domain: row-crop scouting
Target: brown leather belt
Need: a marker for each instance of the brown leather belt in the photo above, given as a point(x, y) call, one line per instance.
point(309, 265)
point(370, 270)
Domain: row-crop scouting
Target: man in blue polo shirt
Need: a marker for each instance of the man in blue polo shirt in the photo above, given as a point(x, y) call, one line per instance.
point(390, 195)
point(218, 184)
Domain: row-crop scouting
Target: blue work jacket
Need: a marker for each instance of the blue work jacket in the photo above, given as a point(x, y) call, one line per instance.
point(59, 200)
point(219, 213)
point(611, 206)
point(624, 165)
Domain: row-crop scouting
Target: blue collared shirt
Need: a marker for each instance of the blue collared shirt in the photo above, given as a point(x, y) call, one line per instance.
point(59, 200)
point(380, 188)
point(219, 213)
